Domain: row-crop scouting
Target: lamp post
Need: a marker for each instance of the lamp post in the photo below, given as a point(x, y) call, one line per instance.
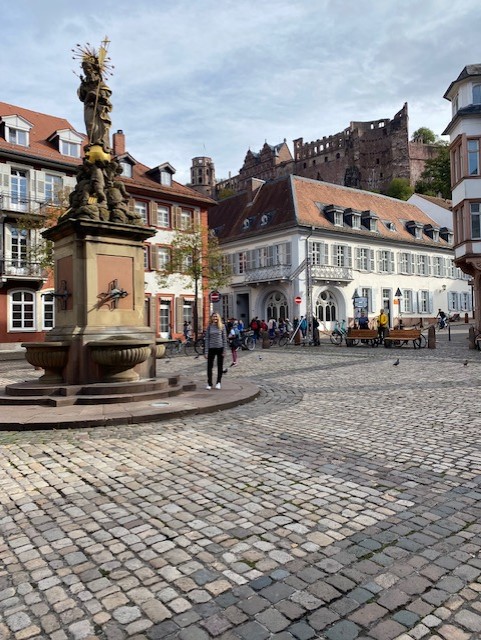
point(355, 296)
point(309, 334)
point(399, 295)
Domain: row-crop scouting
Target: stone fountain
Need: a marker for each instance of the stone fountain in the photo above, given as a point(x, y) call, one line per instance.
point(100, 349)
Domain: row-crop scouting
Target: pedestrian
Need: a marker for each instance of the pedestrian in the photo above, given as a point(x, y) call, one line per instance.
point(187, 330)
point(315, 331)
point(363, 321)
point(234, 341)
point(215, 347)
point(303, 326)
point(382, 325)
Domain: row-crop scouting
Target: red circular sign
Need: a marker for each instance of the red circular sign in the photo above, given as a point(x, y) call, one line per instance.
point(298, 299)
point(214, 296)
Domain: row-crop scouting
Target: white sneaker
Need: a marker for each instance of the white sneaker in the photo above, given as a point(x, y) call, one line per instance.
point(217, 386)
point(208, 387)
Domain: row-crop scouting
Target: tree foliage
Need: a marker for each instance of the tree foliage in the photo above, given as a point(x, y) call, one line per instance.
point(424, 134)
point(40, 250)
point(400, 188)
point(436, 177)
point(196, 255)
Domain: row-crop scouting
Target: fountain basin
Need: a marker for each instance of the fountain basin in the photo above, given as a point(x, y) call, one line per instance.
point(50, 356)
point(118, 356)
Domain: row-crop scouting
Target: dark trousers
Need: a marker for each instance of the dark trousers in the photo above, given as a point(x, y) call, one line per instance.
point(211, 355)
point(382, 331)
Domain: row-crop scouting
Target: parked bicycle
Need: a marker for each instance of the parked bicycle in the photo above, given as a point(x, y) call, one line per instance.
point(340, 333)
point(279, 339)
point(186, 347)
point(247, 339)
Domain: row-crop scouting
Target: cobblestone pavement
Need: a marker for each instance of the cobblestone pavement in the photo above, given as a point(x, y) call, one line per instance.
point(344, 503)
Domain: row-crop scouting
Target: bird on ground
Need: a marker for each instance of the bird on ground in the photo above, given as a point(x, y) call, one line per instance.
point(260, 357)
point(395, 364)
point(465, 363)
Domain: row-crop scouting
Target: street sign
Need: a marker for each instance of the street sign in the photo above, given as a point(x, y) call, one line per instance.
point(215, 296)
point(298, 299)
point(398, 293)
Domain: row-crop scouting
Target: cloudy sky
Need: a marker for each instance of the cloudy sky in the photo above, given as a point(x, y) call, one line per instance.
point(217, 77)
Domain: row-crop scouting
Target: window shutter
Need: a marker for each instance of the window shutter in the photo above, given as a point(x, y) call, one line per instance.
point(429, 265)
point(349, 257)
point(430, 302)
point(176, 221)
point(399, 262)
point(415, 301)
point(40, 186)
point(153, 213)
point(372, 259)
point(154, 257)
point(392, 266)
point(326, 254)
point(196, 219)
point(179, 314)
point(358, 258)
point(5, 172)
point(378, 260)
point(373, 301)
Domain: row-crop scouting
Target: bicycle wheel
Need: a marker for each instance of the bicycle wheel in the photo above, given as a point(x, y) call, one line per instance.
point(250, 343)
point(336, 338)
point(199, 346)
point(420, 342)
point(188, 348)
point(283, 340)
point(171, 348)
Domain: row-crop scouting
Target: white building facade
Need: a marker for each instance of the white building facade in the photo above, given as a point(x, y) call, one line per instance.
point(357, 244)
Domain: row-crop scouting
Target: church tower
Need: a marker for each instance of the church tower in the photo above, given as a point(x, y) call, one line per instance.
point(202, 175)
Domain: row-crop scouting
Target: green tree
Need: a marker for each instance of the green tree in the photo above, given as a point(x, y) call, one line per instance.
point(400, 188)
point(196, 255)
point(40, 250)
point(225, 193)
point(425, 135)
point(436, 177)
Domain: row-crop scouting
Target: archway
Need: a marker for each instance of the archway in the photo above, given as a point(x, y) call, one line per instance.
point(327, 309)
point(276, 306)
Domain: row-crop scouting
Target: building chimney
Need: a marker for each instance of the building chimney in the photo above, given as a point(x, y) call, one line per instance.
point(253, 186)
point(119, 143)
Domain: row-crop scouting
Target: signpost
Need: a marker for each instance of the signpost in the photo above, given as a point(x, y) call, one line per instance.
point(215, 296)
point(298, 299)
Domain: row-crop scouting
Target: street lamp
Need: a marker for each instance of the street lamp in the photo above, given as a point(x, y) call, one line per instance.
point(399, 295)
point(355, 296)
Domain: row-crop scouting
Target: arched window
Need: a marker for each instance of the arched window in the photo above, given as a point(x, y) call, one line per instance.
point(326, 307)
point(276, 306)
point(22, 310)
point(477, 94)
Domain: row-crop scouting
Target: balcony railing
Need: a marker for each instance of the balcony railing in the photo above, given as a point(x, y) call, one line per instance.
point(268, 274)
point(17, 204)
point(330, 273)
point(20, 269)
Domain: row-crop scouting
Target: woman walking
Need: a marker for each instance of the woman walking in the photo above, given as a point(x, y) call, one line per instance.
point(215, 346)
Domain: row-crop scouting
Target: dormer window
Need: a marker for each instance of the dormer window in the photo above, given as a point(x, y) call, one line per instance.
point(415, 228)
point(432, 232)
point(17, 130)
point(127, 168)
point(335, 215)
point(68, 142)
point(352, 218)
point(162, 174)
point(390, 226)
point(166, 178)
point(246, 224)
point(369, 220)
point(17, 136)
point(446, 234)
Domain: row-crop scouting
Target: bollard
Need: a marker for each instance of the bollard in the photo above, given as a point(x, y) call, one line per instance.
point(466, 318)
point(432, 338)
point(471, 338)
point(266, 341)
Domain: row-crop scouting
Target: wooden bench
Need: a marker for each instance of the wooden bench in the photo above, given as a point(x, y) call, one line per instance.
point(400, 337)
point(367, 336)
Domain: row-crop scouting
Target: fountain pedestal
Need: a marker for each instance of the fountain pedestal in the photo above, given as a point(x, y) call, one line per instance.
point(99, 270)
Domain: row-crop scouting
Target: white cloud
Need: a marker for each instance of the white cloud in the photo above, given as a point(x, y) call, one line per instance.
point(204, 77)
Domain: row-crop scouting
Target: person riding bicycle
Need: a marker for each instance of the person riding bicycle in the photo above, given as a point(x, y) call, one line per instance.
point(442, 319)
point(187, 330)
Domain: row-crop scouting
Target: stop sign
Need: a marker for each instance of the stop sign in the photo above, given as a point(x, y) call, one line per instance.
point(214, 296)
point(298, 299)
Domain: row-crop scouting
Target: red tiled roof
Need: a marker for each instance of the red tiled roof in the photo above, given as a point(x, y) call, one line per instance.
point(294, 201)
point(43, 128)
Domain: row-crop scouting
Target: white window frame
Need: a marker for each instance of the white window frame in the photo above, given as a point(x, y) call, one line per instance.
point(166, 178)
point(475, 210)
point(163, 216)
point(407, 301)
point(53, 186)
point(48, 311)
point(18, 136)
point(69, 148)
point(341, 255)
point(423, 304)
point(25, 310)
point(141, 210)
point(163, 258)
point(186, 219)
point(127, 169)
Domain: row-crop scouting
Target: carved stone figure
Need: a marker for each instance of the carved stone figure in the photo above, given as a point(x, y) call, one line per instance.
point(95, 95)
